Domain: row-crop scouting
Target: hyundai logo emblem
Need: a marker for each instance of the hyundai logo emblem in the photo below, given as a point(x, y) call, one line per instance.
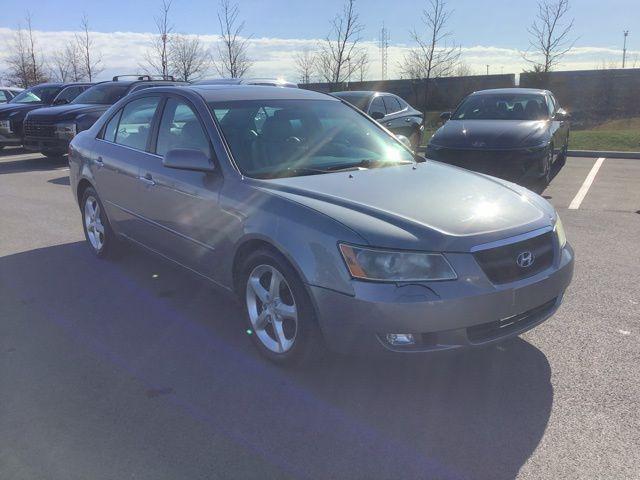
point(525, 259)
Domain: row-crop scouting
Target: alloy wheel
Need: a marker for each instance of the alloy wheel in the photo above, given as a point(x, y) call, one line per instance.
point(272, 309)
point(93, 223)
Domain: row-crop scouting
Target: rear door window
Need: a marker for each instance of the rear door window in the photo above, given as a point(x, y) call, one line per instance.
point(377, 105)
point(111, 128)
point(134, 127)
point(392, 104)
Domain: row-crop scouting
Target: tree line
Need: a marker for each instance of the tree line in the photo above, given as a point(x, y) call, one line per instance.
point(338, 58)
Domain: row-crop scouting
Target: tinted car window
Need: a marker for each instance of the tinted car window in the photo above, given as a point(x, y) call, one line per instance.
point(509, 106)
point(37, 95)
point(112, 127)
point(134, 127)
point(3, 96)
point(180, 128)
point(103, 94)
point(377, 105)
point(392, 104)
point(69, 93)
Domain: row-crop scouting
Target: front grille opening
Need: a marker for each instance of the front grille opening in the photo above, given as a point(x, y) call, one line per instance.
point(492, 330)
point(500, 263)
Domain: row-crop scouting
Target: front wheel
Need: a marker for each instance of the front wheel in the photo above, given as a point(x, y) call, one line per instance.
point(97, 230)
point(545, 167)
point(280, 316)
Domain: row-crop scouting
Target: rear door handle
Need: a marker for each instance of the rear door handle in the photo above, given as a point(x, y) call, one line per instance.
point(147, 180)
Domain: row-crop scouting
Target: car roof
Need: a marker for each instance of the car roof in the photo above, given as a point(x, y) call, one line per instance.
point(357, 92)
point(254, 92)
point(247, 81)
point(511, 90)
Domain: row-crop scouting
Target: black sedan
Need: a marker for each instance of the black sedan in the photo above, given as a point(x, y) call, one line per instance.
point(512, 133)
point(390, 110)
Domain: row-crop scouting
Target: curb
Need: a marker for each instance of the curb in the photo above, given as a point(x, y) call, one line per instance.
point(598, 154)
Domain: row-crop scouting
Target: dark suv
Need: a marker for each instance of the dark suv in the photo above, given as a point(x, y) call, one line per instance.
point(12, 113)
point(49, 130)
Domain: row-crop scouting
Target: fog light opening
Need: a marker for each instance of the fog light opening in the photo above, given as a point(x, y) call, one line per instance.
point(401, 339)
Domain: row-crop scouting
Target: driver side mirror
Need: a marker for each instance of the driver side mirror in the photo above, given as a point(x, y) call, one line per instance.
point(60, 101)
point(562, 114)
point(377, 115)
point(188, 159)
point(445, 116)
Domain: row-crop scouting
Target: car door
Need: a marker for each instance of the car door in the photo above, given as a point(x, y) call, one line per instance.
point(180, 207)
point(121, 148)
point(396, 120)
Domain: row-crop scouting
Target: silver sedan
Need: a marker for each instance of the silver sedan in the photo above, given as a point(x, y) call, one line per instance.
point(329, 230)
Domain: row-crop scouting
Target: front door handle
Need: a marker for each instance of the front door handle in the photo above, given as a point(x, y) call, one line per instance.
point(147, 180)
point(100, 162)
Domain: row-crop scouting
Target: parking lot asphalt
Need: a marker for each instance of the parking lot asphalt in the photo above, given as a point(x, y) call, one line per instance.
point(134, 368)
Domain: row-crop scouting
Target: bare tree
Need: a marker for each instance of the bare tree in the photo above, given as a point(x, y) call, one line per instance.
point(305, 65)
point(59, 67)
point(463, 70)
point(233, 60)
point(157, 56)
point(26, 66)
point(434, 56)
point(550, 35)
point(188, 58)
point(75, 62)
point(90, 61)
point(362, 66)
point(339, 52)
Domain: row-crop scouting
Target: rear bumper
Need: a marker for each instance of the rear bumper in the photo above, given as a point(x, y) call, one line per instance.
point(468, 312)
point(39, 144)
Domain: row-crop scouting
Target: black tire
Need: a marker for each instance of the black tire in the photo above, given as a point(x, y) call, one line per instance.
point(546, 165)
point(108, 236)
point(308, 344)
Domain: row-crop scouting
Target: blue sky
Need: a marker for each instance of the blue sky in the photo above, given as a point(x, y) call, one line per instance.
point(500, 23)
point(490, 32)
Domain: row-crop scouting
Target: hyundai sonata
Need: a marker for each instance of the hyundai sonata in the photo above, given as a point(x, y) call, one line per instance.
point(329, 230)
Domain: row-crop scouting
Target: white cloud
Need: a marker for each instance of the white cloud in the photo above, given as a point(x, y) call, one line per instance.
point(123, 52)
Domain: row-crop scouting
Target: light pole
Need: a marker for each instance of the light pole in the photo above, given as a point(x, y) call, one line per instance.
point(487, 69)
point(624, 48)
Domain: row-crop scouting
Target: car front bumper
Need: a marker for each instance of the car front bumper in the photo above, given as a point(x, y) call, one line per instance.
point(467, 312)
point(38, 144)
point(513, 165)
point(9, 139)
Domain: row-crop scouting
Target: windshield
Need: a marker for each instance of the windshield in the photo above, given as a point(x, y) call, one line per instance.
point(37, 95)
point(105, 94)
point(278, 138)
point(503, 107)
point(359, 100)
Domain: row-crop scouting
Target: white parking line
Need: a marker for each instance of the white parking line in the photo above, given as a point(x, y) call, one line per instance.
point(577, 200)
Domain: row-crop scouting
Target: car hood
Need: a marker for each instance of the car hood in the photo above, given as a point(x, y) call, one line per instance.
point(491, 134)
point(67, 112)
point(427, 206)
point(12, 109)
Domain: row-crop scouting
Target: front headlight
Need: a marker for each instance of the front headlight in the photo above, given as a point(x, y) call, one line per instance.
point(65, 130)
point(5, 126)
point(559, 229)
point(395, 266)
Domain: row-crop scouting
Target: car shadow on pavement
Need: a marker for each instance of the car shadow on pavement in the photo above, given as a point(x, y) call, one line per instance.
point(32, 164)
point(478, 414)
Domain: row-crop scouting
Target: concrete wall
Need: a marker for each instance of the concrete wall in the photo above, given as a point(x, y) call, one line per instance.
point(590, 95)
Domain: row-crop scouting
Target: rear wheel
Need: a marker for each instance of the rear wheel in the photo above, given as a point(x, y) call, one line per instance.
point(280, 316)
